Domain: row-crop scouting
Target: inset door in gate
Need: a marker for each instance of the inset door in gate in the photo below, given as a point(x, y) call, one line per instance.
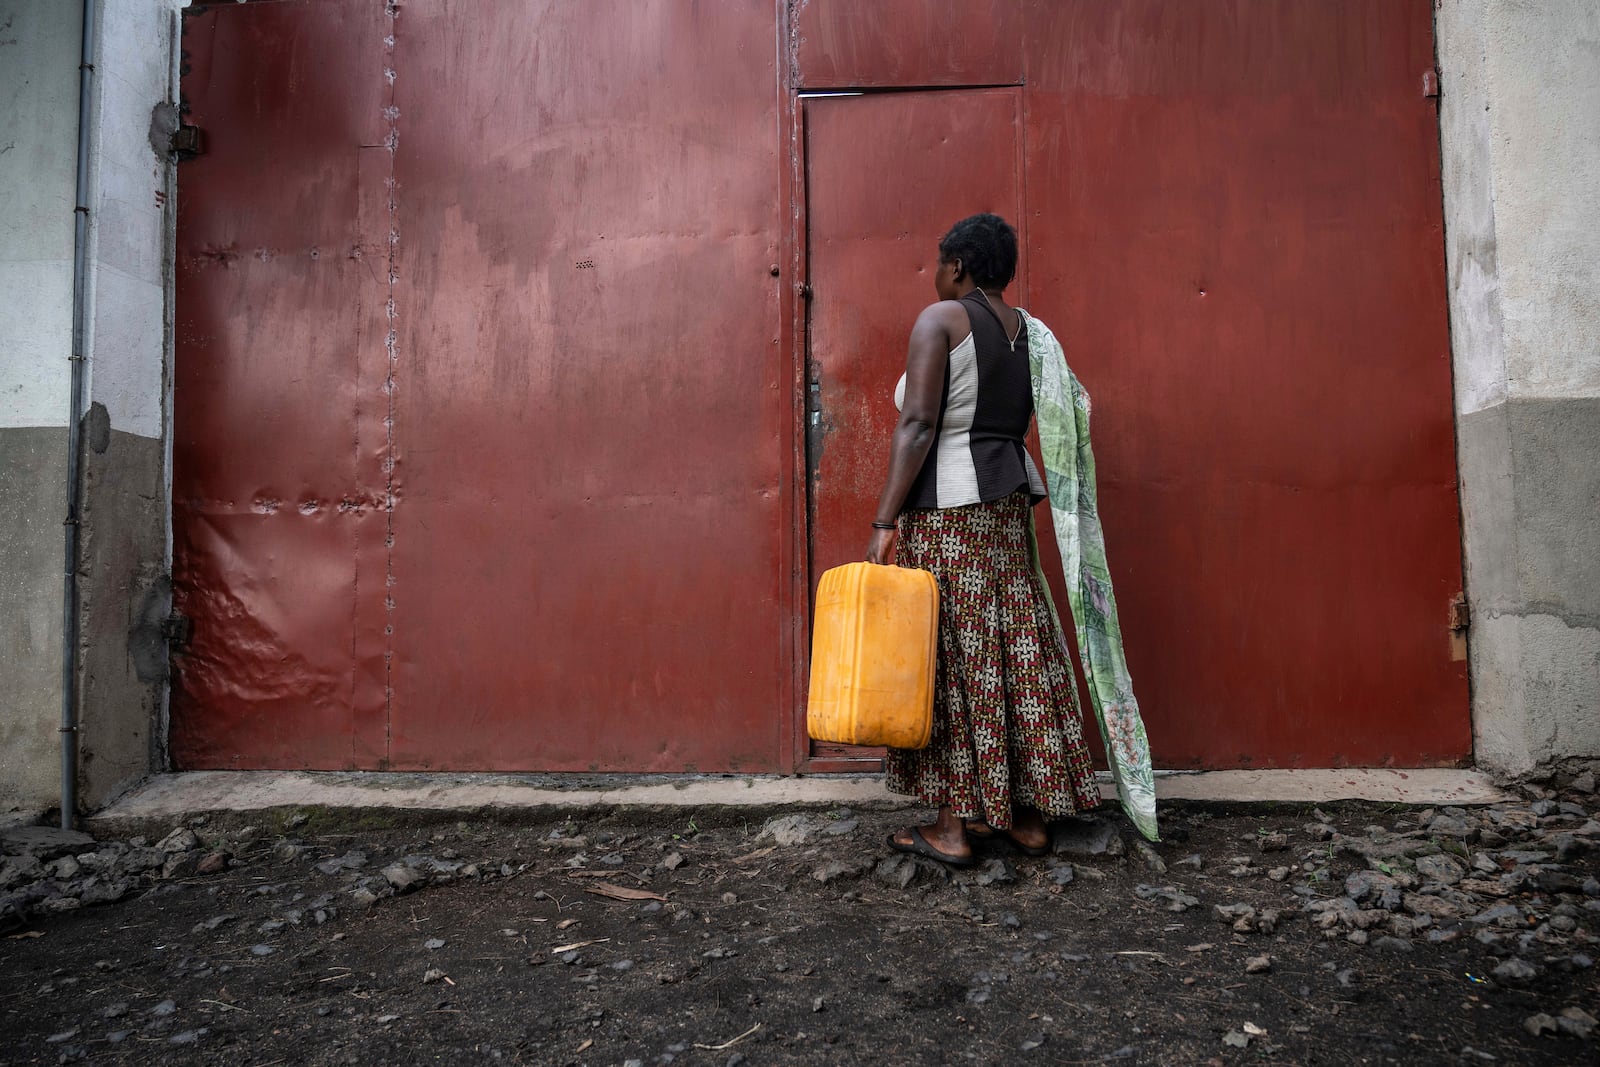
point(886, 175)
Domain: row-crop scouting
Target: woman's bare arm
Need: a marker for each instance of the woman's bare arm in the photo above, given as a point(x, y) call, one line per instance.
point(926, 360)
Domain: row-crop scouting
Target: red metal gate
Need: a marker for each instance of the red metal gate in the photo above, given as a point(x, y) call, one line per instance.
point(490, 400)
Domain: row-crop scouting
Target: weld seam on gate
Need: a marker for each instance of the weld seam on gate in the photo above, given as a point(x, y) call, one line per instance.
point(391, 346)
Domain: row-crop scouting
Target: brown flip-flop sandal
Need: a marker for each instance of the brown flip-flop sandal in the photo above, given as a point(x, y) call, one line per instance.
point(920, 847)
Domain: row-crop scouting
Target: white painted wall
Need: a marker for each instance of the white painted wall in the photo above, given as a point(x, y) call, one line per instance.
point(126, 341)
point(1544, 79)
point(1521, 135)
point(38, 155)
point(1466, 137)
point(128, 227)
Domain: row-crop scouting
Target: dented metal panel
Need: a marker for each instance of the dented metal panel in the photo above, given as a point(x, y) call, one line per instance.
point(278, 494)
point(481, 443)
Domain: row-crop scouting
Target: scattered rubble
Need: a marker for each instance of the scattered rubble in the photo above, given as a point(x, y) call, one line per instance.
point(1475, 928)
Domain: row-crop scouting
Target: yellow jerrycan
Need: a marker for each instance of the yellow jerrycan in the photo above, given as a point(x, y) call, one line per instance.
point(873, 647)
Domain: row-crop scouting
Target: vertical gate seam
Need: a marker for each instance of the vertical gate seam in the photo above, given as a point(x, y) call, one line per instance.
point(391, 346)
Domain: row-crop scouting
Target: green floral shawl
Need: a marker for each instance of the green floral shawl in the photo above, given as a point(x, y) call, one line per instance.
point(1061, 407)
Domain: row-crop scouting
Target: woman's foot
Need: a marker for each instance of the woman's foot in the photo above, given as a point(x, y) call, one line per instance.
point(944, 840)
point(1028, 832)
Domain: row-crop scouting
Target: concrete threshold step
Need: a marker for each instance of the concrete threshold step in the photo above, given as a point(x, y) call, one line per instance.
point(189, 792)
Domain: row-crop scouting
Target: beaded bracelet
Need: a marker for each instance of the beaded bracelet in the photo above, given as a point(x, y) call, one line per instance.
point(876, 525)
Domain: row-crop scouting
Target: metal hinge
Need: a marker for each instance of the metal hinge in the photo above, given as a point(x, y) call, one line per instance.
point(1430, 84)
point(176, 630)
point(1460, 616)
point(187, 142)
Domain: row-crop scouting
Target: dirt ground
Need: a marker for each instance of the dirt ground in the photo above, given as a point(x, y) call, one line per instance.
point(806, 943)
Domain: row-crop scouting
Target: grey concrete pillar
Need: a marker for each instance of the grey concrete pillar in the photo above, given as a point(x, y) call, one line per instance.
point(1520, 130)
point(123, 564)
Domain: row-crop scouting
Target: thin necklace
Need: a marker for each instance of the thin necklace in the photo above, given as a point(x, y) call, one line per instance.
point(996, 311)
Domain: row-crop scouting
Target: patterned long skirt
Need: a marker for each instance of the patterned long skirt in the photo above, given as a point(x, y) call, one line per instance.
point(1007, 731)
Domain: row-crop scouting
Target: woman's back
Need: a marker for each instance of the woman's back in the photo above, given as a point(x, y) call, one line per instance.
point(979, 455)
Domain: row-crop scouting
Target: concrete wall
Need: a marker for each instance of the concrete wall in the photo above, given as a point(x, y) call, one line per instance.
point(123, 562)
point(38, 129)
point(1520, 128)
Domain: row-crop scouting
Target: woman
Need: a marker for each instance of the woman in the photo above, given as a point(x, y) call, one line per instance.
point(1007, 750)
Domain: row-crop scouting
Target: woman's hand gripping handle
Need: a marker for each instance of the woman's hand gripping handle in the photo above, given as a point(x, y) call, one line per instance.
point(881, 548)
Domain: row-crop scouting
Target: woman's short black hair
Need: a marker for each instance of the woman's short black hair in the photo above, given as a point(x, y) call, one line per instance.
point(986, 245)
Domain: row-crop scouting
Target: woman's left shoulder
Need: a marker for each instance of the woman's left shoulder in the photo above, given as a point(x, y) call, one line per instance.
point(1035, 324)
